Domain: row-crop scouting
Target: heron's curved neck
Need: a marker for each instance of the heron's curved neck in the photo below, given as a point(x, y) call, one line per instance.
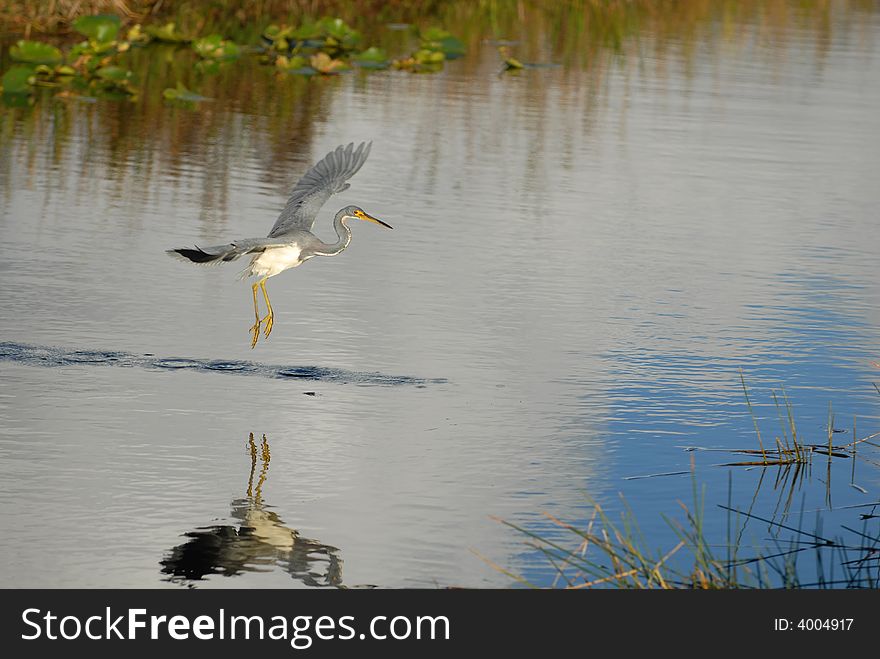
point(343, 232)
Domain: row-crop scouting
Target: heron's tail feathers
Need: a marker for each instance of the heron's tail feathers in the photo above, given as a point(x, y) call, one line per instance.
point(205, 255)
point(220, 253)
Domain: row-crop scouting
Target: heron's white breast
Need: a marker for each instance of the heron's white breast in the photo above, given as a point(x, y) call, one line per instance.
point(275, 260)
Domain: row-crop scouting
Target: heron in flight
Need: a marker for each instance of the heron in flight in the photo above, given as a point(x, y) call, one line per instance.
point(291, 241)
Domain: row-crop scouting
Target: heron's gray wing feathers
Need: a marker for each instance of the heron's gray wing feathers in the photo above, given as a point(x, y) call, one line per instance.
point(318, 184)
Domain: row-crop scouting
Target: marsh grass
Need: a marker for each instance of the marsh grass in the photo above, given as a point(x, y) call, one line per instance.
point(614, 554)
point(56, 16)
point(609, 553)
point(788, 448)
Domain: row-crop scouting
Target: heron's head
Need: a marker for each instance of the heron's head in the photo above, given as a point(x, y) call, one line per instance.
point(358, 213)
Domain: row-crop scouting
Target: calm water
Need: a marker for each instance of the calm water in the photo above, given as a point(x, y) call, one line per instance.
point(584, 256)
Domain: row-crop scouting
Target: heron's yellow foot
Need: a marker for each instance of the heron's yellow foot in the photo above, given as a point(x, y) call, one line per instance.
point(270, 321)
point(255, 331)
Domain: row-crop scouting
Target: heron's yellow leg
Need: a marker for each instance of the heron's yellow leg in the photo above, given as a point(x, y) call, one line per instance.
point(255, 330)
point(270, 317)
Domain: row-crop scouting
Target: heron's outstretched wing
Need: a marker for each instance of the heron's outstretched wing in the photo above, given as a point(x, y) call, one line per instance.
point(326, 178)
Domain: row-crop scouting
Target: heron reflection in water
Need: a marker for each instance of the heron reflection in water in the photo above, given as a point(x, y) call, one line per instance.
point(259, 543)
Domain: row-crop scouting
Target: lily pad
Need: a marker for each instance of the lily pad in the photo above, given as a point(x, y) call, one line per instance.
point(215, 47)
point(17, 100)
point(18, 80)
point(337, 28)
point(92, 48)
point(426, 56)
point(372, 58)
point(291, 63)
point(422, 61)
point(136, 34)
point(278, 38)
point(510, 62)
point(330, 34)
point(167, 32)
point(45, 76)
point(181, 93)
point(35, 52)
point(114, 80)
point(438, 39)
point(102, 28)
point(113, 73)
point(324, 64)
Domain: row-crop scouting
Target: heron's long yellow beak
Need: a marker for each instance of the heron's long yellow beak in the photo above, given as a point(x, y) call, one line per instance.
point(369, 218)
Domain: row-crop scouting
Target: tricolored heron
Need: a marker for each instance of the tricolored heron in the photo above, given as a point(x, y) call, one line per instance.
point(291, 241)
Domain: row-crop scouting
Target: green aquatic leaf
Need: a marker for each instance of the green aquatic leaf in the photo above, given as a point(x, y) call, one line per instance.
point(18, 80)
point(291, 63)
point(426, 56)
point(323, 63)
point(428, 62)
point(167, 32)
point(17, 100)
point(136, 34)
point(272, 32)
point(35, 52)
point(337, 28)
point(114, 74)
point(452, 47)
point(44, 76)
point(331, 34)
point(338, 34)
point(434, 34)
point(372, 58)
point(102, 28)
point(113, 81)
point(304, 31)
point(435, 38)
point(215, 47)
point(278, 37)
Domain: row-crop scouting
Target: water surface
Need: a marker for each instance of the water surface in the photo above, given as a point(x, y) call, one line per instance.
point(584, 256)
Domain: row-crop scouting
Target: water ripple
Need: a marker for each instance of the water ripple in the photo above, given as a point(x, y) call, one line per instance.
point(30, 355)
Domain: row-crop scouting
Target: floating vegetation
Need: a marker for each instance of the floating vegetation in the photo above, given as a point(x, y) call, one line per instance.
point(421, 61)
point(326, 65)
point(113, 80)
point(435, 47)
point(294, 64)
point(439, 40)
point(371, 58)
point(215, 47)
point(101, 29)
point(510, 62)
point(97, 66)
point(136, 35)
point(18, 80)
point(167, 33)
point(329, 35)
point(34, 52)
point(89, 66)
point(514, 65)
